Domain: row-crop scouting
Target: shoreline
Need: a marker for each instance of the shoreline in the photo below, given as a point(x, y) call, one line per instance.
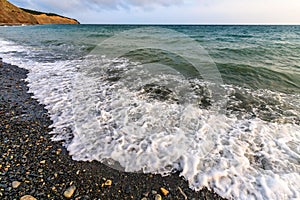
point(43, 169)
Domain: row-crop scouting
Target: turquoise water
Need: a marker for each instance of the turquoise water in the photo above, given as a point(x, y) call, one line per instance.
point(220, 104)
point(267, 55)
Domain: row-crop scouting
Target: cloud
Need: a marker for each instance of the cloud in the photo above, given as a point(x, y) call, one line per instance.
point(128, 4)
point(71, 5)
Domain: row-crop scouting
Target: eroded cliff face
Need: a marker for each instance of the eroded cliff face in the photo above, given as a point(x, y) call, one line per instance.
point(12, 15)
point(45, 19)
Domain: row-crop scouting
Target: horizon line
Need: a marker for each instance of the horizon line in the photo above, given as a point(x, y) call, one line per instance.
point(212, 24)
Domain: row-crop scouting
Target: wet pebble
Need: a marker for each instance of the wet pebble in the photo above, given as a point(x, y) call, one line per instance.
point(43, 162)
point(108, 183)
point(154, 192)
point(146, 194)
point(69, 192)
point(158, 197)
point(16, 184)
point(164, 191)
point(27, 197)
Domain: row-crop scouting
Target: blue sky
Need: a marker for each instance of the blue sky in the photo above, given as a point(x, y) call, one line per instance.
point(172, 11)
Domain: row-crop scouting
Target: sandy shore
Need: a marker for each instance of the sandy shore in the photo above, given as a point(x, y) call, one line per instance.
point(31, 164)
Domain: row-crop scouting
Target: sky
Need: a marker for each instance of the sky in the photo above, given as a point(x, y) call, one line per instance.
point(171, 11)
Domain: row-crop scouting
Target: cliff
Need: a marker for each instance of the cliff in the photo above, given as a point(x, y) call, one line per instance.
point(13, 15)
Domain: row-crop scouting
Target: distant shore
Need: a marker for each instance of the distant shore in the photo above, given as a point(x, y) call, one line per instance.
point(14, 24)
point(32, 164)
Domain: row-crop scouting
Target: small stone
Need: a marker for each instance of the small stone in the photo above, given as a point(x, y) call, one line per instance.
point(164, 191)
point(108, 183)
point(146, 194)
point(58, 151)
point(54, 189)
point(69, 192)
point(27, 197)
point(16, 184)
point(43, 162)
point(153, 192)
point(158, 197)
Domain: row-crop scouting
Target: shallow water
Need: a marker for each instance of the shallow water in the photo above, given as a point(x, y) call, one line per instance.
point(220, 104)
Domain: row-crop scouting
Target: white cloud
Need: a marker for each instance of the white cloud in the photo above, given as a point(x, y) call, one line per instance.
point(68, 5)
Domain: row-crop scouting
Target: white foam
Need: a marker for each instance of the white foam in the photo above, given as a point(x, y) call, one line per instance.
point(238, 157)
point(51, 83)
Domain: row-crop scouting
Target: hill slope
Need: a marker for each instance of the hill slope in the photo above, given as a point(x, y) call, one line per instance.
point(13, 15)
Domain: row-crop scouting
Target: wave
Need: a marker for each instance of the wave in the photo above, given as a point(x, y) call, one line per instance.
point(259, 77)
point(146, 118)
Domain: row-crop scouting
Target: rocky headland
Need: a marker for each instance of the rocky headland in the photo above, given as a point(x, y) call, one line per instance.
point(13, 15)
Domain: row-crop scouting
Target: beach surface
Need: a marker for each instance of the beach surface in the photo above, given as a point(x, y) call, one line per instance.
point(32, 164)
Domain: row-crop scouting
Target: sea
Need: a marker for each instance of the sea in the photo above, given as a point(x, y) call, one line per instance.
point(220, 104)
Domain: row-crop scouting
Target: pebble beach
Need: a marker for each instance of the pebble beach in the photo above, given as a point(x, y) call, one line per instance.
point(34, 167)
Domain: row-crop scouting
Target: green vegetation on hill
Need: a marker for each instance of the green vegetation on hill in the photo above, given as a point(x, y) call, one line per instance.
point(34, 12)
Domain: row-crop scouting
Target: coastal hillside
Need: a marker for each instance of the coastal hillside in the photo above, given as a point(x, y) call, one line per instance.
point(13, 15)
